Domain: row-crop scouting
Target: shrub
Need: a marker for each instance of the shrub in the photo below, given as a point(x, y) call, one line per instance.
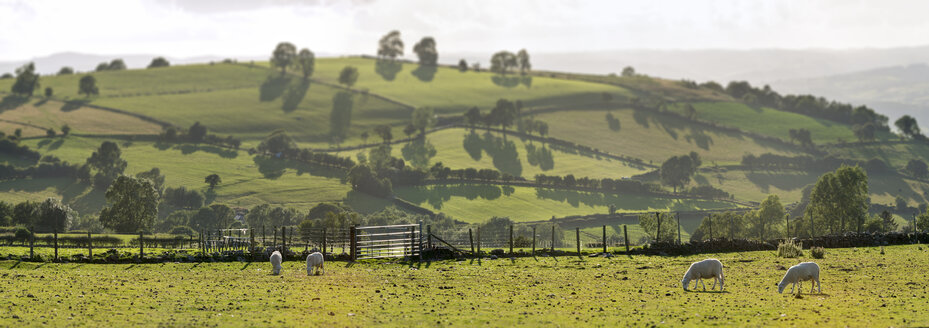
point(789, 249)
point(182, 230)
point(817, 252)
point(22, 234)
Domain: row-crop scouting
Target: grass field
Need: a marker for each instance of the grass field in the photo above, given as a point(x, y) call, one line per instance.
point(82, 120)
point(654, 137)
point(475, 203)
point(541, 291)
point(247, 180)
point(445, 88)
point(771, 122)
point(895, 155)
point(460, 148)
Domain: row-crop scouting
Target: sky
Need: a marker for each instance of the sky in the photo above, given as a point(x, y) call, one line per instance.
point(188, 28)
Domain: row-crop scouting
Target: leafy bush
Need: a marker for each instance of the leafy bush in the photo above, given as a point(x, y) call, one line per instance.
point(182, 230)
point(789, 249)
point(817, 252)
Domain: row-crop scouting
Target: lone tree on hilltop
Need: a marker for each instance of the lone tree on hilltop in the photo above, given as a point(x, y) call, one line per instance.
point(502, 61)
point(213, 180)
point(425, 49)
point(523, 58)
point(88, 86)
point(306, 61)
point(390, 45)
point(159, 62)
point(27, 81)
point(283, 56)
point(907, 125)
point(383, 131)
point(348, 76)
point(423, 118)
point(677, 171)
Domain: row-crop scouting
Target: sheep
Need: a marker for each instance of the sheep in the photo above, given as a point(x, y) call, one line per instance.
point(709, 268)
point(276, 263)
point(799, 273)
point(315, 260)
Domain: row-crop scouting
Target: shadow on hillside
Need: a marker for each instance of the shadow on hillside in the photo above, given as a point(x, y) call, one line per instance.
point(388, 69)
point(40, 102)
point(424, 73)
point(73, 105)
point(783, 181)
point(12, 102)
point(540, 156)
point(72, 192)
point(364, 203)
point(504, 154)
point(294, 95)
point(273, 87)
point(340, 119)
point(273, 168)
point(437, 195)
point(188, 149)
point(506, 81)
point(892, 185)
point(418, 152)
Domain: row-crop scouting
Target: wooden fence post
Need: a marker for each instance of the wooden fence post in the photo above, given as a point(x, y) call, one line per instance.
point(283, 239)
point(263, 242)
point(678, 215)
point(141, 246)
point(511, 239)
point(274, 240)
point(251, 239)
point(787, 217)
point(412, 242)
point(658, 233)
point(90, 246)
point(351, 242)
point(324, 242)
point(626, 238)
point(429, 236)
point(31, 242)
point(553, 238)
point(471, 238)
point(56, 244)
point(478, 239)
point(533, 240)
point(604, 238)
point(577, 231)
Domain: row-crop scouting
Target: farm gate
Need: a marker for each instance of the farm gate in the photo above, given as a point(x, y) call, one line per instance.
point(373, 242)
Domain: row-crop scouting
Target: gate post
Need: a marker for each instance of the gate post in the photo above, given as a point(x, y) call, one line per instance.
point(141, 246)
point(324, 243)
point(511, 239)
point(429, 236)
point(604, 239)
point(679, 241)
point(658, 234)
point(553, 238)
point(56, 244)
point(626, 238)
point(478, 239)
point(351, 236)
point(412, 241)
point(577, 231)
point(90, 246)
point(471, 238)
point(533, 240)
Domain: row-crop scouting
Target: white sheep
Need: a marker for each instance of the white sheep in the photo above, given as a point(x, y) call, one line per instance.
point(709, 268)
point(276, 263)
point(314, 260)
point(799, 273)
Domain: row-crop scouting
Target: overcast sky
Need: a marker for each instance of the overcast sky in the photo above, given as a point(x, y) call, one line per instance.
point(252, 27)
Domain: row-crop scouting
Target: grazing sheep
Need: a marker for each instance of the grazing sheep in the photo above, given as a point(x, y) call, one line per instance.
point(314, 260)
point(276, 263)
point(709, 268)
point(799, 273)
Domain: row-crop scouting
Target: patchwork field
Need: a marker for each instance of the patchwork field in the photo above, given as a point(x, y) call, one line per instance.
point(540, 291)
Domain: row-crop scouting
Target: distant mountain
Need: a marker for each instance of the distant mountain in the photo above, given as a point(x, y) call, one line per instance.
point(894, 91)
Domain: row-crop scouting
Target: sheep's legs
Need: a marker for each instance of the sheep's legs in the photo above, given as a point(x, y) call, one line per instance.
point(702, 284)
point(819, 287)
point(715, 280)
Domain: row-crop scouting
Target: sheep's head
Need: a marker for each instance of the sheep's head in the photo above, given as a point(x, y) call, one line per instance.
point(781, 286)
point(685, 282)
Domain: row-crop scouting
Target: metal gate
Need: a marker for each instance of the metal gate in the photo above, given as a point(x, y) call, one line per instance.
point(373, 242)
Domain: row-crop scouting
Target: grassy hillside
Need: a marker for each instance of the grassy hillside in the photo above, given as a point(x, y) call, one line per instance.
point(450, 91)
point(81, 119)
point(479, 202)
point(896, 154)
point(654, 137)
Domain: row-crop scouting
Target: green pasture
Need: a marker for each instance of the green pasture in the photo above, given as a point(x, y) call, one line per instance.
point(655, 137)
point(461, 148)
point(81, 119)
point(896, 155)
point(540, 291)
point(475, 203)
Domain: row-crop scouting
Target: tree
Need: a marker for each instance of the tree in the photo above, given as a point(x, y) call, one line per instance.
point(542, 128)
point(277, 142)
point(348, 76)
point(116, 65)
point(390, 45)
point(523, 58)
point(88, 86)
point(49, 92)
point(628, 71)
point(425, 49)
point(690, 111)
point(159, 62)
point(132, 205)
point(54, 216)
point(65, 130)
point(383, 131)
point(364, 137)
point(196, 132)
point(154, 175)
point(104, 66)
point(917, 168)
point(462, 65)
point(649, 223)
point(27, 81)
point(66, 70)
point(26, 213)
point(502, 61)
point(473, 116)
point(107, 159)
point(283, 56)
point(677, 171)
point(50, 132)
point(907, 125)
point(205, 219)
point(888, 224)
point(504, 113)
point(213, 180)
point(839, 196)
point(864, 132)
point(423, 118)
point(409, 130)
point(306, 61)
point(770, 213)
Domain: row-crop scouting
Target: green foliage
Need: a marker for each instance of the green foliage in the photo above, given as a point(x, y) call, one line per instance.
point(650, 224)
point(918, 168)
point(54, 216)
point(159, 62)
point(66, 70)
point(423, 118)
point(276, 142)
point(523, 60)
point(677, 171)
point(205, 219)
point(817, 252)
point(502, 62)
point(284, 56)
point(726, 225)
point(340, 120)
point(908, 126)
point(197, 132)
point(363, 179)
point(26, 213)
point(425, 49)
point(771, 213)
point(628, 71)
point(213, 180)
point(132, 205)
point(107, 160)
point(390, 45)
point(348, 76)
point(840, 196)
point(88, 86)
point(154, 175)
point(789, 249)
point(182, 230)
point(306, 62)
point(27, 81)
